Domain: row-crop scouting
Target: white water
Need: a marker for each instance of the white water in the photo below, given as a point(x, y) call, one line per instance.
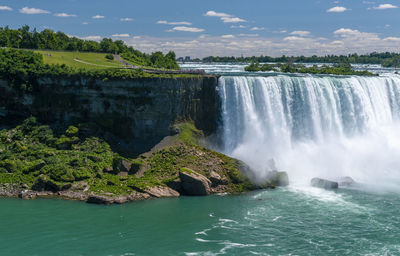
point(315, 126)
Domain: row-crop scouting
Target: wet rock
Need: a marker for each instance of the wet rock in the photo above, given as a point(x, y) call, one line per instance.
point(73, 195)
point(325, 184)
point(30, 194)
point(108, 199)
point(345, 181)
point(279, 179)
point(98, 199)
point(161, 192)
point(194, 184)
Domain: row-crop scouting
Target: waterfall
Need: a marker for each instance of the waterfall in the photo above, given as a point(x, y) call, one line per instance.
point(314, 126)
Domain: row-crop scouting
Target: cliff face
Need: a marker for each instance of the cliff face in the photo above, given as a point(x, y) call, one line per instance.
point(132, 116)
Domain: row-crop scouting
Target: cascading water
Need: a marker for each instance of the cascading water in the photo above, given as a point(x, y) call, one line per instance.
point(314, 126)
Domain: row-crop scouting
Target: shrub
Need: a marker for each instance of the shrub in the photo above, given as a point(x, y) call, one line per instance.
point(109, 56)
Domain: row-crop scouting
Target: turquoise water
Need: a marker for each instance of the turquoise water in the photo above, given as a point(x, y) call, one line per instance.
point(290, 221)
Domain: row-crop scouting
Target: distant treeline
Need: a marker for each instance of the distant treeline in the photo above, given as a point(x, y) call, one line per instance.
point(24, 38)
point(386, 59)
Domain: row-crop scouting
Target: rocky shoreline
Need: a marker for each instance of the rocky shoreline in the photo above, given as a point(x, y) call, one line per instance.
point(190, 184)
point(36, 163)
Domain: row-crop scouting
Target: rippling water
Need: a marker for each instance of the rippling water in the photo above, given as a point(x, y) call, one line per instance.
point(291, 221)
point(262, 113)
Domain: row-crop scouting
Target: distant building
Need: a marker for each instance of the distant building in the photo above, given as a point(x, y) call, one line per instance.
point(180, 59)
point(187, 58)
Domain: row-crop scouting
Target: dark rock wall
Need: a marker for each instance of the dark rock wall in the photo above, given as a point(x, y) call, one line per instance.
point(132, 116)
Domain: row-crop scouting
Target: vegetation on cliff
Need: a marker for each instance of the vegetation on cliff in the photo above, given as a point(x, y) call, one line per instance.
point(47, 39)
point(336, 69)
point(34, 158)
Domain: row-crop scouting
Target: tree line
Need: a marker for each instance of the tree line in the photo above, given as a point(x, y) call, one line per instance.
point(25, 38)
point(386, 59)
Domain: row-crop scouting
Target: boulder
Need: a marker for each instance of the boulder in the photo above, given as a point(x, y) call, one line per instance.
point(73, 195)
point(217, 179)
point(325, 184)
point(161, 192)
point(175, 184)
point(276, 178)
point(345, 181)
point(193, 183)
point(124, 166)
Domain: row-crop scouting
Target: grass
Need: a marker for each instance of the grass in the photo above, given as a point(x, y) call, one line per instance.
point(86, 60)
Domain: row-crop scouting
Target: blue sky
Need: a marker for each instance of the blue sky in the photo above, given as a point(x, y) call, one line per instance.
point(220, 27)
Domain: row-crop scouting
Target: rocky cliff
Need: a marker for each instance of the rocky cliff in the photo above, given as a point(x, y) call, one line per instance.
point(132, 116)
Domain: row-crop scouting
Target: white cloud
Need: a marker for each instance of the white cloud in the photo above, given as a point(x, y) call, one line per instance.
point(294, 38)
point(257, 28)
point(91, 38)
point(216, 14)
point(228, 36)
point(238, 26)
point(337, 9)
point(27, 10)
point(5, 8)
point(98, 17)
point(232, 20)
point(248, 35)
point(126, 19)
point(186, 29)
point(392, 39)
point(174, 22)
point(385, 6)
point(85, 23)
point(342, 41)
point(120, 35)
point(301, 33)
point(64, 15)
point(354, 33)
point(226, 18)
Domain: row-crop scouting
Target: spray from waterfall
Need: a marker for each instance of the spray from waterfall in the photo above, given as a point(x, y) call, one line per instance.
point(314, 126)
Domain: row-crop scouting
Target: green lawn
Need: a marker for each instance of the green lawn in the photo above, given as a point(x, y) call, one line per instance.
point(79, 59)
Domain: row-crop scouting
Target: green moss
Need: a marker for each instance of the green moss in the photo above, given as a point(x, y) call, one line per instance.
point(186, 170)
point(72, 131)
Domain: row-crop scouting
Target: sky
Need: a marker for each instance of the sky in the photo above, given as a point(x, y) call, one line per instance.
point(200, 28)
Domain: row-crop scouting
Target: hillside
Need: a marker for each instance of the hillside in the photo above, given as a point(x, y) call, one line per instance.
point(25, 38)
point(79, 59)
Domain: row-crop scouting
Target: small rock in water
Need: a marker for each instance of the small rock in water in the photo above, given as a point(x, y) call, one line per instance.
point(346, 181)
point(325, 184)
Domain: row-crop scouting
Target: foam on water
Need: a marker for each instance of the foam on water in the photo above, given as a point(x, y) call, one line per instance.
point(315, 126)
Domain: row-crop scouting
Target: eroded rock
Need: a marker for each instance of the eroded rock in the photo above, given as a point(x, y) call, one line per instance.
point(162, 192)
point(325, 184)
point(194, 184)
point(345, 181)
point(217, 179)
